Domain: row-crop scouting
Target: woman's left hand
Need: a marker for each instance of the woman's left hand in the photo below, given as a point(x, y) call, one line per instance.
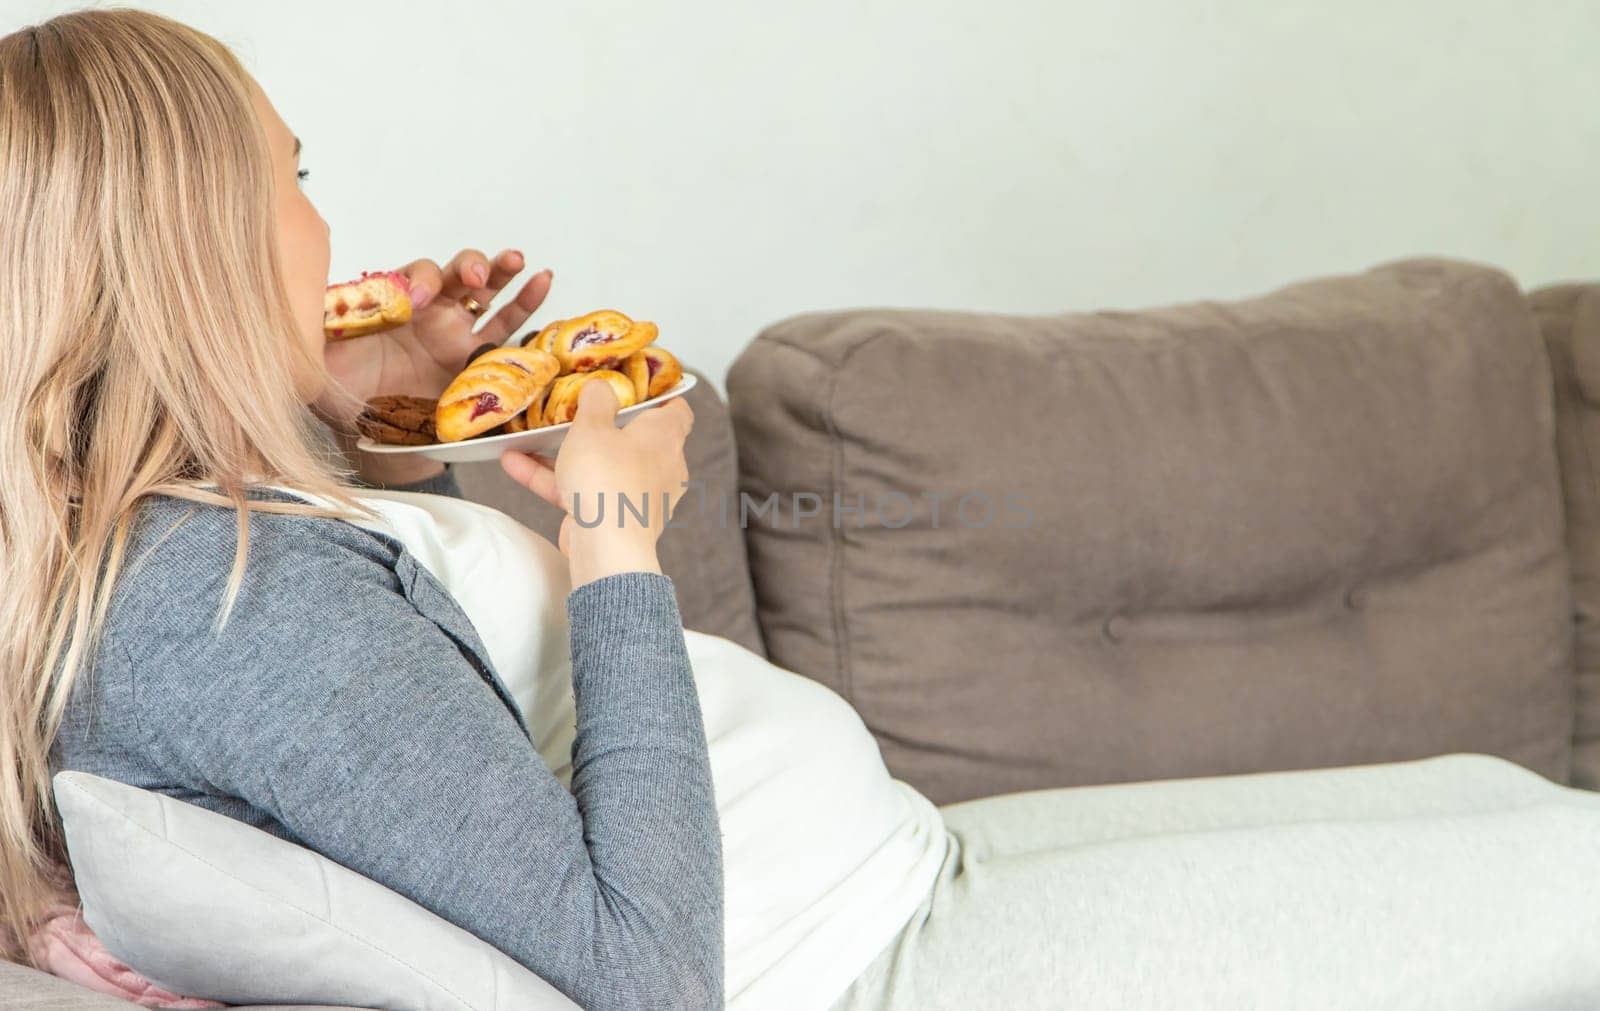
point(422, 357)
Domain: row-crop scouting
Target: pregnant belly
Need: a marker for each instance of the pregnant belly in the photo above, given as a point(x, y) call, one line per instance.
point(824, 853)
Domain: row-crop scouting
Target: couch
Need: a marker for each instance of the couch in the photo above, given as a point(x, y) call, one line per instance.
point(1355, 520)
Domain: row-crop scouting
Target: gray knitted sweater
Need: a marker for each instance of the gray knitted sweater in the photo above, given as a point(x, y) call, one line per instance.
point(349, 706)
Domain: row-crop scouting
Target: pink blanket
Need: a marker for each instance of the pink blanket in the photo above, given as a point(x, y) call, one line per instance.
point(64, 946)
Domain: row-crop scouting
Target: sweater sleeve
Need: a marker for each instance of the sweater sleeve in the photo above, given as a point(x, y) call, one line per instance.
point(329, 701)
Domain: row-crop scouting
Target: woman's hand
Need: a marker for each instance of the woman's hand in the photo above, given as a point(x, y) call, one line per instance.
point(598, 466)
point(422, 357)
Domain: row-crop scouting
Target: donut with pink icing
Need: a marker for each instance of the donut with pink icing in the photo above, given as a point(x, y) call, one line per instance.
point(372, 303)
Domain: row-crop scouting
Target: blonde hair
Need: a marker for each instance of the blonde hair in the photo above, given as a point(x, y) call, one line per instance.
point(146, 347)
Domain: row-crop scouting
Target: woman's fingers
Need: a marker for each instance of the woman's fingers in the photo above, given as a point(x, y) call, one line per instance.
point(467, 273)
point(471, 274)
point(534, 473)
point(507, 264)
point(509, 317)
point(597, 406)
point(673, 419)
point(657, 435)
point(425, 280)
point(681, 413)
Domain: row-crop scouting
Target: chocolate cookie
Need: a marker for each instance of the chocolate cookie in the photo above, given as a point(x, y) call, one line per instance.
point(399, 421)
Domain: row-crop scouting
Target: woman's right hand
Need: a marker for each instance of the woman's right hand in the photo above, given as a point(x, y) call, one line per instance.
point(599, 465)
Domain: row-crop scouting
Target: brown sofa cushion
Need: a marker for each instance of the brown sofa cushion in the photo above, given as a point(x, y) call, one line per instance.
point(703, 553)
point(1569, 315)
point(1321, 527)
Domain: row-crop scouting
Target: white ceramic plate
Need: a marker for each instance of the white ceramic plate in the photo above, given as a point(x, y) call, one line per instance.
point(542, 441)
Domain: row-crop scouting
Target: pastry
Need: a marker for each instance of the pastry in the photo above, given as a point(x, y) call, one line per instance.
point(517, 389)
point(654, 371)
point(518, 423)
point(494, 388)
point(370, 304)
point(541, 340)
point(530, 419)
point(398, 420)
point(561, 405)
point(600, 340)
point(533, 417)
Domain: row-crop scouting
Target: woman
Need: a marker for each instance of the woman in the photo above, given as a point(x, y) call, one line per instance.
point(201, 601)
point(167, 364)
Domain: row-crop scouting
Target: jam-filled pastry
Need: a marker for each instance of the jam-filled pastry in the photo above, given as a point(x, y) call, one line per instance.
point(541, 340)
point(530, 419)
point(561, 405)
point(600, 340)
point(533, 417)
point(399, 420)
point(654, 371)
point(496, 387)
point(370, 304)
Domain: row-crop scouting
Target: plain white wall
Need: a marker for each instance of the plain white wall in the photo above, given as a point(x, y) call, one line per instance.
point(719, 164)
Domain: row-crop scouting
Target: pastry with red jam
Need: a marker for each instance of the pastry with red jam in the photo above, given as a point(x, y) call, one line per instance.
point(654, 371)
point(600, 340)
point(370, 304)
point(495, 387)
point(530, 419)
point(541, 340)
point(561, 405)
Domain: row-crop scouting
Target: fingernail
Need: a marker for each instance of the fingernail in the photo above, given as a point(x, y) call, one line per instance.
point(480, 273)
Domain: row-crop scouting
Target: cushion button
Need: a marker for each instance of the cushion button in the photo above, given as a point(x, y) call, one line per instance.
point(1115, 628)
point(1355, 598)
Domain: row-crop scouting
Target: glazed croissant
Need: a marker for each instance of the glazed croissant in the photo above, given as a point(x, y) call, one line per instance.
point(562, 403)
point(495, 387)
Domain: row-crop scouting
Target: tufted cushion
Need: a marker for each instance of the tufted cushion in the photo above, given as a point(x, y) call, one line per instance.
point(703, 553)
point(1569, 315)
point(1321, 527)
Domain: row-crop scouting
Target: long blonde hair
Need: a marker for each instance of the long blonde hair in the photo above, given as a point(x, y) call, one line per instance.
point(146, 346)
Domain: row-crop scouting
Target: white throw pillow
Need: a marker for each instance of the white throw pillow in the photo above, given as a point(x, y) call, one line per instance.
point(205, 905)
